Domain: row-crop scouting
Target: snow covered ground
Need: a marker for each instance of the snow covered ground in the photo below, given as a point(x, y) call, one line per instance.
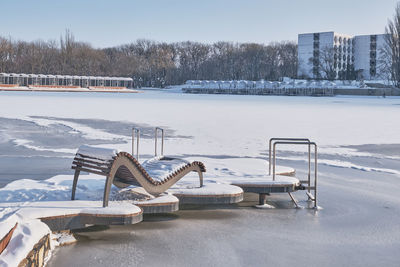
point(359, 146)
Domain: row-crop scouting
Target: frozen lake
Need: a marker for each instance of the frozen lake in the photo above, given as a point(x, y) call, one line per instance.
point(359, 168)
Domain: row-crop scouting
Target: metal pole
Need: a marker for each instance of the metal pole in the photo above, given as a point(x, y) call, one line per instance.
point(137, 131)
point(137, 148)
point(273, 172)
point(316, 175)
point(162, 142)
point(155, 143)
point(269, 153)
point(156, 139)
point(309, 167)
point(133, 141)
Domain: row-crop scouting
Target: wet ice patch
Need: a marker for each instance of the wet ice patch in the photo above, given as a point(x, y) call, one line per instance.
point(86, 131)
point(28, 145)
point(346, 164)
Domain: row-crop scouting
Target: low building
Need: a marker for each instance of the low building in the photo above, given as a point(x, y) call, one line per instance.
point(47, 80)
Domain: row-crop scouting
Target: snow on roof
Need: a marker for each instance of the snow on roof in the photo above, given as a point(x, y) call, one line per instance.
point(65, 76)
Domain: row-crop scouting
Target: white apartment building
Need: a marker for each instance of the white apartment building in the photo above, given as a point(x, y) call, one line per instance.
point(343, 53)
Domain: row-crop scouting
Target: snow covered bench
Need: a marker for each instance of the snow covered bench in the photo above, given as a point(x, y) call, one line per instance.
point(122, 170)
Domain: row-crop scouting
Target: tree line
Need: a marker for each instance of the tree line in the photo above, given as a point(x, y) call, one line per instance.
point(150, 63)
point(158, 64)
point(390, 61)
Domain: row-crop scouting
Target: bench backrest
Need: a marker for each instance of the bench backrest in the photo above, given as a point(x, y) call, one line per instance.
point(91, 164)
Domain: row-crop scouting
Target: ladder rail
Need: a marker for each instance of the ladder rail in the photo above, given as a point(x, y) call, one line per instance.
point(315, 164)
point(274, 139)
point(157, 130)
point(137, 132)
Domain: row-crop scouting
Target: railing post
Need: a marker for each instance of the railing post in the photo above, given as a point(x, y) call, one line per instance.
point(269, 155)
point(162, 141)
point(316, 175)
point(273, 170)
point(155, 142)
point(137, 131)
point(309, 167)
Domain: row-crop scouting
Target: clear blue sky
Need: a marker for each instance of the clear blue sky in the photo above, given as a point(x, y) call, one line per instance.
point(105, 23)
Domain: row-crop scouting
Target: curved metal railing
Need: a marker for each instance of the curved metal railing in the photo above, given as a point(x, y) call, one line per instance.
point(309, 187)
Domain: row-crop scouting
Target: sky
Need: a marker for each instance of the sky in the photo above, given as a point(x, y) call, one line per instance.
point(106, 23)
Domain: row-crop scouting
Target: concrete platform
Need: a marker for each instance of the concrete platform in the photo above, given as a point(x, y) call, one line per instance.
point(266, 185)
point(282, 184)
point(163, 204)
point(211, 193)
point(66, 215)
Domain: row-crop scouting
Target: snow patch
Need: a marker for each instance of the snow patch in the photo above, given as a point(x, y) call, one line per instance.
point(98, 152)
point(159, 168)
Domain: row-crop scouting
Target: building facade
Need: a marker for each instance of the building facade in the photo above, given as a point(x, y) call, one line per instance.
point(330, 55)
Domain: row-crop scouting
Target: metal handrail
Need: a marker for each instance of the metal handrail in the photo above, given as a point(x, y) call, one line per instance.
point(315, 162)
point(137, 131)
point(289, 139)
point(162, 141)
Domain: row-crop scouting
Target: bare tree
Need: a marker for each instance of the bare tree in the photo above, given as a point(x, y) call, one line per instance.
point(323, 63)
point(389, 61)
point(151, 63)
